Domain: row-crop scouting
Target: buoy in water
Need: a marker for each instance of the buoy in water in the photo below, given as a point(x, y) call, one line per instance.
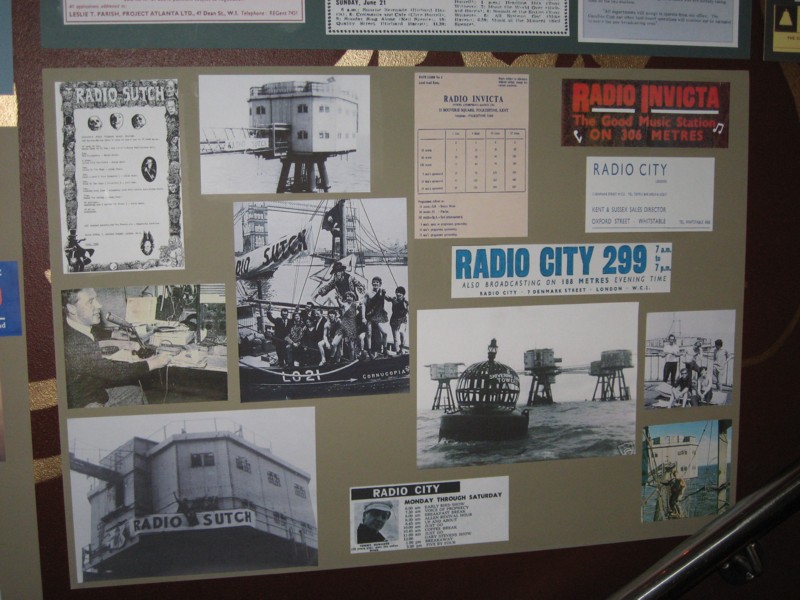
point(474, 426)
point(486, 397)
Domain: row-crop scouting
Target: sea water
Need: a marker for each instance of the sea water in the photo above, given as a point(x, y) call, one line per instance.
point(249, 174)
point(561, 430)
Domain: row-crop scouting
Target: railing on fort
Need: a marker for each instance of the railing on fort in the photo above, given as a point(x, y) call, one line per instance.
point(654, 367)
point(298, 88)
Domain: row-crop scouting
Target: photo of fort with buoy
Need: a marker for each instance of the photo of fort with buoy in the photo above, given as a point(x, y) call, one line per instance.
point(519, 384)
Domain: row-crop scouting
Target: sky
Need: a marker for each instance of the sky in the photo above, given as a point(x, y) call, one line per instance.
point(289, 432)
point(704, 431)
point(386, 217)
point(711, 324)
point(223, 98)
point(577, 333)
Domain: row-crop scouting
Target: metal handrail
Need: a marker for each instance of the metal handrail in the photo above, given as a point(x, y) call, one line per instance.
point(725, 542)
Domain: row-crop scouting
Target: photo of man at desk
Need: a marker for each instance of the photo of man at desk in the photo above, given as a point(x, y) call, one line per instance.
point(170, 346)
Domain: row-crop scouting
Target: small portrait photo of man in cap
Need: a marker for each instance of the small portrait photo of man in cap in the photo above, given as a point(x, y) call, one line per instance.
point(373, 518)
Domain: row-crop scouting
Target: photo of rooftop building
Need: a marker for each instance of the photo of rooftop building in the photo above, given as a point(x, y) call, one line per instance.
point(201, 495)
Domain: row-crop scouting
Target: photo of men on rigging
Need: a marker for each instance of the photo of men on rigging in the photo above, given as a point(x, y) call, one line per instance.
point(322, 294)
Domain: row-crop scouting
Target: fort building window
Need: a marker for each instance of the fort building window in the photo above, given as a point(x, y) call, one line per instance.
point(273, 478)
point(204, 459)
point(299, 490)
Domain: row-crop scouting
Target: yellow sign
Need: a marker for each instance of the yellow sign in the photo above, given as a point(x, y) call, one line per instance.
point(785, 36)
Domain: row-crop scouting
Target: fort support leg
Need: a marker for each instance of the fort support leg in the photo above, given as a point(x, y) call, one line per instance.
point(286, 165)
point(304, 180)
point(324, 182)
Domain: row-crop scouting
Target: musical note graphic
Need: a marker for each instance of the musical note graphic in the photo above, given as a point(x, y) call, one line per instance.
point(578, 136)
point(719, 127)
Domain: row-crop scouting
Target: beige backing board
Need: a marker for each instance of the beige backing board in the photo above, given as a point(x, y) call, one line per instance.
point(573, 478)
point(19, 554)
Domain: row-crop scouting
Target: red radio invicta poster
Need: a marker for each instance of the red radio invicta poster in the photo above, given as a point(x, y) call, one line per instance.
point(618, 113)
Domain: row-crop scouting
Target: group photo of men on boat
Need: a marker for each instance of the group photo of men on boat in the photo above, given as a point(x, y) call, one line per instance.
point(323, 296)
point(355, 328)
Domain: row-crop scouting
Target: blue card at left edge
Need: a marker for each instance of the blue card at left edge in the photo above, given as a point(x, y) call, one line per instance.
point(10, 314)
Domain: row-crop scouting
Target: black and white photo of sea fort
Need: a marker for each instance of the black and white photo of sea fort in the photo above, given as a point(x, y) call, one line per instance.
point(292, 133)
point(584, 419)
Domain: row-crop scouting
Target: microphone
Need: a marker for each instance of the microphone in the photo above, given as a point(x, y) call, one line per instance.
point(112, 318)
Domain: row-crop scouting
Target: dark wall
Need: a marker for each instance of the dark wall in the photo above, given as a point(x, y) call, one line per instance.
point(769, 400)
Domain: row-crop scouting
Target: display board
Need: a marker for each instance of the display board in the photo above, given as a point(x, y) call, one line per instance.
point(16, 458)
point(685, 28)
point(340, 317)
